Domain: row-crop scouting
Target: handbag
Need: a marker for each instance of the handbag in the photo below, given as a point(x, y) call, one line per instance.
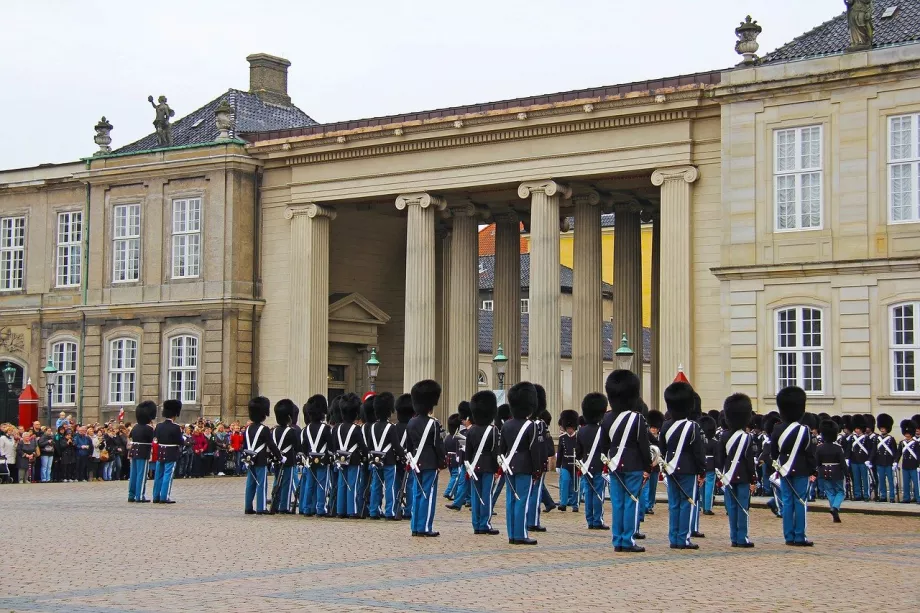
point(104, 455)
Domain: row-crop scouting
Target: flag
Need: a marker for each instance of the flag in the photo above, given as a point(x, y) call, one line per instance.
point(121, 414)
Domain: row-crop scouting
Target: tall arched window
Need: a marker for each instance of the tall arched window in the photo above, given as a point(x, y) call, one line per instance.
point(122, 371)
point(64, 358)
point(905, 347)
point(799, 349)
point(183, 368)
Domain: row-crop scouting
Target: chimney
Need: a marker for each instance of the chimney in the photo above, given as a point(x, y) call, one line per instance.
point(268, 78)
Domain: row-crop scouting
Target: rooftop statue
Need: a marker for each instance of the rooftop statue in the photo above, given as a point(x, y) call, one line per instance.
point(859, 20)
point(161, 123)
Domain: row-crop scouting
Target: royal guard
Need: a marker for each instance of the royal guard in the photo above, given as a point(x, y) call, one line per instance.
point(565, 461)
point(258, 450)
point(349, 450)
point(315, 446)
point(404, 482)
point(521, 460)
point(287, 440)
point(141, 439)
point(480, 468)
point(168, 435)
point(381, 453)
point(427, 455)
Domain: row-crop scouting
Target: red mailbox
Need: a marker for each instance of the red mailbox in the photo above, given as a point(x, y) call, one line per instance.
point(28, 406)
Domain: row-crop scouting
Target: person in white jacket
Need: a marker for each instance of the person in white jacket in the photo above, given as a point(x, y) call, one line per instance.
point(7, 453)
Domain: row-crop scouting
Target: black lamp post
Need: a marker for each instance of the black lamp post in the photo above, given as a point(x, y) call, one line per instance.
point(501, 363)
point(373, 366)
point(50, 381)
point(9, 375)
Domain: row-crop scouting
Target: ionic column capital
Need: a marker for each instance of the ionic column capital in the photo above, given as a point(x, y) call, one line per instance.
point(310, 210)
point(627, 206)
point(466, 208)
point(591, 197)
point(675, 173)
point(548, 187)
point(511, 217)
point(422, 199)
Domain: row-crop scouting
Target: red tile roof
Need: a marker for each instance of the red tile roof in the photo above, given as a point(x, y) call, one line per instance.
point(487, 241)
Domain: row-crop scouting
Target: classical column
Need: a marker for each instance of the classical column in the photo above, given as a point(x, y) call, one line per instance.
point(545, 322)
point(418, 352)
point(655, 402)
point(308, 355)
point(506, 322)
point(675, 298)
point(463, 350)
point(587, 311)
point(627, 279)
point(442, 314)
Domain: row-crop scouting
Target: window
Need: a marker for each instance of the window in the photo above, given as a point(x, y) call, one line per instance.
point(800, 349)
point(12, 252)
point(183, 368)
point(525, 305)
point(69, 248)
point(483, 379)
point(905, 347)
point(903, 168)
point(127, 248)
point(64, 358)
point(487, 305)
point(123, 371)
point(797, 178)
point(186, 246)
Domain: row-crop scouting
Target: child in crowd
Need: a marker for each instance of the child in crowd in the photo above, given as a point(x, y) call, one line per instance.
point(565, 461)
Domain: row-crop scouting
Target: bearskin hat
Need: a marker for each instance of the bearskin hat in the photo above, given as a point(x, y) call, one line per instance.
point(453, 423)
point(870, 421)
point(885, 422)
point(822, 416)
point(146, 412)
point(655, 419)
point(908, 427)
point(858, 422)
point(738, 411)
point(541, 401)
point(836, 419)
point(464, 410)
point(172, 408)
point(756, 422)
point(568, 419)
point(708, 426)
point(581, 421)
point(367, 409)
point(335, 411)
point(622, 388)
point(350, 406)
point(846, 422)
point(545, 417)
point(404, 410)
point(593, 407)
point(769, 422)
point(504, 412)
point(425, 396)
point(295, 414)
point(829, 430)
point(522, 397)
point(259, 408)
point(916, 420)
point(791, 403)
point(697, 411)
point(679, 398)
point(383, 406)
point(642, 408)
point(714, 414)
point(810, 420)
point(316, 408)
point(284, 411)
point(484, 407)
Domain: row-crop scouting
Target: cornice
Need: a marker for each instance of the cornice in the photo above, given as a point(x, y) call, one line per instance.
point(168, 168)
point(163, 308)
point(817, 269)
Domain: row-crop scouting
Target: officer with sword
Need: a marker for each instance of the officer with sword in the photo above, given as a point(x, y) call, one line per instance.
point(481, 466)
point(590, 443)
point(735, 467)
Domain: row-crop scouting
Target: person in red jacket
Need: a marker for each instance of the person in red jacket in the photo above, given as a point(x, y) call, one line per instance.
point(236, 446)
point(199, 446)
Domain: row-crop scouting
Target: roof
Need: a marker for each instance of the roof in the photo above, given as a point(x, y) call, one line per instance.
point(566, 275)
point(250, 114)
point(833, 37)
point(485, 337)
point(487, 240)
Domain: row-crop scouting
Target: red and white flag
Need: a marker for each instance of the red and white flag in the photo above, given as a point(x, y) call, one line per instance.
point(121, 414)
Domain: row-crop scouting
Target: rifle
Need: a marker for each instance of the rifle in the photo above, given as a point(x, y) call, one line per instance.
point(276, 487)
point(779, 471)
point(731, 490)
point(505, 464)
point(611, 468)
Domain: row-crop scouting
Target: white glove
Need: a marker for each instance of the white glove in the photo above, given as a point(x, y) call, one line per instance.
point(895, 466)
point(869, 465)
point(557, 469)
point(848, 463)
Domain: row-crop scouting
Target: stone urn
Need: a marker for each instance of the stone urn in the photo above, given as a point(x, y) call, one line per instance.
point(747, 45)
point(222, 119)
point(102, 138)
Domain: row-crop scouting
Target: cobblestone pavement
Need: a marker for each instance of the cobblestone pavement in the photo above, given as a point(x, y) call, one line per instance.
point(204, 554)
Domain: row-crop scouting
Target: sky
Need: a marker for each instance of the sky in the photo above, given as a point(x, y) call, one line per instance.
point(68, 62)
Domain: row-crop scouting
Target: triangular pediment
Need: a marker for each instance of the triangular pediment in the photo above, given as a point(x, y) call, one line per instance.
point(355, 308)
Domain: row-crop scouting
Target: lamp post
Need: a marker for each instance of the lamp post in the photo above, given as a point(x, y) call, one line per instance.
point(624, 355)
point(501, 363)
point(50, 381)
point(9, 375)
point(373, 365)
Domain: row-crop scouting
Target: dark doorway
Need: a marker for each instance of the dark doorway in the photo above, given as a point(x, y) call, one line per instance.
point(9, 398)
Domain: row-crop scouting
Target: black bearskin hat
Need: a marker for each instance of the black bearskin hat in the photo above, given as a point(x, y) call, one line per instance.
point(335, 411)
point(846, 422)
point(522, 397)
point(284, 411)
point(885, 421)
point(828, 429)
point(870, 421)
point(146, 412)
point(791, 403)
point(316, 408)
point(916, 420)
point(836, 419)
point(404, 410)
point(545, 417)
point(172, 408)
point(259, 408)
point(504, 412)
point(738, 411)
point(679, 398)
point(593, 407)
point(383, 406)
point(697, 411)
point(295, 414)
point(714, 414)
point(642, 408)
point(453, 423)
point(908, 427)
point(655, 419)
point(708, 426)
point(350, 405)
point(822, 416)
point(425, 396)
point(756, 422)
point(484, 407)
point(622, 387)
point(858, 422)
point(541, 401)
point(810, 420)
point(769, 422)
point(367, 410)
point(464, 411)
point(581, 421)
point(568, 419)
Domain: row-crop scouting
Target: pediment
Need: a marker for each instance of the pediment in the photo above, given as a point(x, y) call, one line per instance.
point(355, 308)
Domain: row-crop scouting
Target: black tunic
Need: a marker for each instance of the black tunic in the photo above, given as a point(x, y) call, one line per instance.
point(141, 441)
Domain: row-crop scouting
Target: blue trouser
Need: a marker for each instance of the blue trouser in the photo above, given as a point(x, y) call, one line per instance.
point(256, 494)
point(679, 507)
point(137, 482)
point(46, 461)
point(860, 480)
point(793, 490)
point(401, 475)
point(482, 501)
point(582, 491)
point(346, 502)
point(423, 505)
point(652, 491)
point(709, 491)
point(452, 482)
point(594, 501)
point(361, 491)
point(516, 508)
point(567, 496)
point(383, 490)
point(285, 488)
point(533, 504)
point(314, 481)
point(545, 497)
point(498, 487)
point(695, 510)
point(910, 484)
point(461, 489)
point(886, 483)
point(737, 501)
point(834, 490)
point(625, 511)
point(162, 480)
point(643, 497)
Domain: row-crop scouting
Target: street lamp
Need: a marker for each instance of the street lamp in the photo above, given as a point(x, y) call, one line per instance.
point(501, 363)
point(373, 365)
point(50, 381)
point(9, 374)
point(624, 355)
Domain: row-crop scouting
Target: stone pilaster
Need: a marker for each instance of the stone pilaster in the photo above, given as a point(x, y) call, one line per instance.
point(442, 314)
point(627, 279)
point(506, 323)
point(463, 350)
point(418, 360)
point(587, 312)
point(308, 365)
point(656, 399)
point(545, 323)
point(675, 298)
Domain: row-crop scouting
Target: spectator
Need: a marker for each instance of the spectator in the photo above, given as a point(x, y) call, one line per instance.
point(26, 454)
point(95, 460)
point(111, 450)
point(67, 451)
point(199, 446)
point(57, 469)
point(222, 443)
point(46, 445)
point(186, 460)
point(123, 466)
point(236, 447)
point(84, 447)
point(8, 450)
point(61, 420)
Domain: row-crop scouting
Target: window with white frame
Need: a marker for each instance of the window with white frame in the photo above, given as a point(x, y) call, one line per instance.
point(123, 371)
point(183, 368)
point(800, 349)
point(903, 168)
point(186, 245)
point(69, 248)
point(487, 305)
point(12, 252)
point(127, 243)
point(64, 358)
point(797, 178)
point(905, 347)
point(483, 379)
point(525, 305)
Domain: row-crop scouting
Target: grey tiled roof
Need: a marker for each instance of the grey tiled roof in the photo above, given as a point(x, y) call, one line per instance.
point(566, 274)
point(833, 36)
point(607, 221)
point(485, 336)
point(250, 114)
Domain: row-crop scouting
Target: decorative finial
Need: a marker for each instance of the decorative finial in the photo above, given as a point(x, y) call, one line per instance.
point(859, 20)
point(102, 138)
point(222, 119)
point(161, 121)
point(747, 44)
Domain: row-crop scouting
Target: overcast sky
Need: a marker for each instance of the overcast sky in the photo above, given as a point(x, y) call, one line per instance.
point(68, 62)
